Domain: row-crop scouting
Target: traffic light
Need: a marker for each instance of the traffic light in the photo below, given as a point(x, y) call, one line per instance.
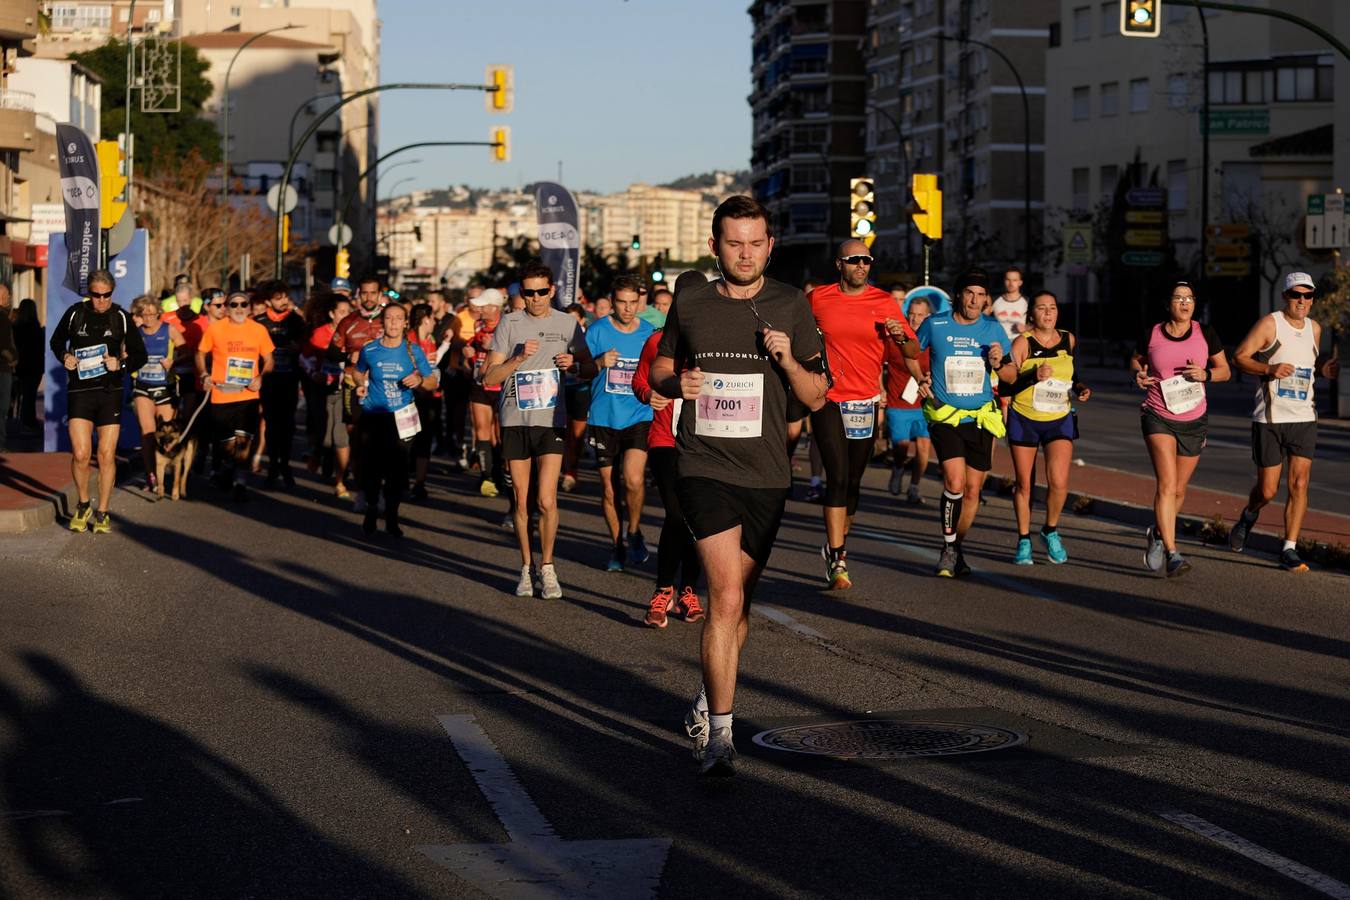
point(637, 243)
point(502, 94)
point(927, 206)
point(862, 198)
point(286, 233)
point(112, 183)
point(1140, 18)
point(501, 144)
point(658, 269)
point(343, 264)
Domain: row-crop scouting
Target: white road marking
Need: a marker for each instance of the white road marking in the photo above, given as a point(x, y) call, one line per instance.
point(536, 862)
point(1285, 866)
point(774, 614)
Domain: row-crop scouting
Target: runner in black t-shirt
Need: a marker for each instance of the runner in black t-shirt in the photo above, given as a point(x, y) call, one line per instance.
point(743, 343)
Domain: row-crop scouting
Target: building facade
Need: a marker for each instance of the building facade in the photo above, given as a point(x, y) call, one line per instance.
point(19, 140)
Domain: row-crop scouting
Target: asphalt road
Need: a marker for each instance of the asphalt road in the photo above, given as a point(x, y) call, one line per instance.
point(1109, 429)
point(223, 700)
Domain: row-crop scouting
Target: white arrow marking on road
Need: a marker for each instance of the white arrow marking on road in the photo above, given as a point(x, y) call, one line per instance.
point(536, 862)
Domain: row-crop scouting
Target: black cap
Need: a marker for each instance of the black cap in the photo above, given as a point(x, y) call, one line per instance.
point(972, 278)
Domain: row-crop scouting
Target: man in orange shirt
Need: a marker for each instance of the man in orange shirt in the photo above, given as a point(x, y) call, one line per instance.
point(241, 354)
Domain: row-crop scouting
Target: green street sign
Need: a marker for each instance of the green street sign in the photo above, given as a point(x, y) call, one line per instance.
point(1317, 204)
point(1253, 120)
point(1141, 258)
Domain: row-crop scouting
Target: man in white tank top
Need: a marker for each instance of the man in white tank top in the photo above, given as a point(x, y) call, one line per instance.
point(1283, 352)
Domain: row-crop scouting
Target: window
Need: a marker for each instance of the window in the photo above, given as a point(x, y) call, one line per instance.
point(1082, 103)
point(1079, 188)
point(234, 11)
point(1110, 19)
point(1176, 185)
point(1082, 23)
point(1256, 87)
point(153, 15)
point(1178, 91)
point(1111, 98)
point(1138, 95)
point(1110, 176)
point(79, 18)
point(124, 15)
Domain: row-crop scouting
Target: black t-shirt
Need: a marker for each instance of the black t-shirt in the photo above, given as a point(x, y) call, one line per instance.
point(736, 431)
point(287, 334)
point(89, 335)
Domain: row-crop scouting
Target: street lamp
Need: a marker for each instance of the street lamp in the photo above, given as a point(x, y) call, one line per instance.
point(225, 149)
point(1026, 139)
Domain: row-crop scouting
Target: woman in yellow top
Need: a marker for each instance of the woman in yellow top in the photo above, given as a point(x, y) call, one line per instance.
point(1045, 385)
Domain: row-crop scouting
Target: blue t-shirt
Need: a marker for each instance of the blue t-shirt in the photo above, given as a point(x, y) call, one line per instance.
point(388, 366)
point(613, 404)
point(957, 352)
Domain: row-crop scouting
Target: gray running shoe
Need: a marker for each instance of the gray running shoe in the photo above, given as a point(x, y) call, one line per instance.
point(696, 726)
point(548, 577)
point(1237, 535)
point(719, 759)
point(1177, 565)
point(525, 586)
point(947, 563)
point(912, 496)
point(896, 475)
point(1290, 561)
point(1155, 556)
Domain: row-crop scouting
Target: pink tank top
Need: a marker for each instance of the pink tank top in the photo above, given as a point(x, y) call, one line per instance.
point(1172, 397)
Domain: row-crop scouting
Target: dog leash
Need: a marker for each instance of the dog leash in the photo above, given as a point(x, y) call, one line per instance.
point(187, 429)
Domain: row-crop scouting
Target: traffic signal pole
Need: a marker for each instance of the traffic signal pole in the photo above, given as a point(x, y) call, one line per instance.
point(280, 265)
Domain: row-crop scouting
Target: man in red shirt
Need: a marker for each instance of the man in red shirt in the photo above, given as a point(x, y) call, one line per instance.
point(857, 320)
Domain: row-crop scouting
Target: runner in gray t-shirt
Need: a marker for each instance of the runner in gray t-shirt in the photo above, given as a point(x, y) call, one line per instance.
point(530, 352)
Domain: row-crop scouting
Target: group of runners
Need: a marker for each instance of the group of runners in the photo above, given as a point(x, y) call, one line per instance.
point(712, 384)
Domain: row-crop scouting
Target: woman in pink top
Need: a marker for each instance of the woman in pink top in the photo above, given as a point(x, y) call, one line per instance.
point(1173, 361)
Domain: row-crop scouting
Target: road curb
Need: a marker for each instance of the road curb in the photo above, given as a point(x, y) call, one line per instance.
point(57, 504)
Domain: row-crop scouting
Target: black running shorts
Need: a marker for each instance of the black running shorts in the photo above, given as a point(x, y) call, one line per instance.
point(711, 507)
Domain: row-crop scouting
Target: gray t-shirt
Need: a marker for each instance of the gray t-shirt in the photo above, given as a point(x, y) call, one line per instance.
point(736, 431)
point(533, 394)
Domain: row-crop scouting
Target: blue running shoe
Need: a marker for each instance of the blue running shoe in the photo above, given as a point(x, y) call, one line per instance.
point(1023, 555)
point(1054, 548)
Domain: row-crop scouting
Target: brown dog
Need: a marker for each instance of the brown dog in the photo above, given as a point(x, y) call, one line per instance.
point(173, 454)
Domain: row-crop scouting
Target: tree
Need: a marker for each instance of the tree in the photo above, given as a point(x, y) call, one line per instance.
point(187, 224)
point(599, 270)
point(162, 139)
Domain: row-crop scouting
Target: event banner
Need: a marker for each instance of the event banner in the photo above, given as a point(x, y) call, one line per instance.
point(559, 238)
point(79, 191)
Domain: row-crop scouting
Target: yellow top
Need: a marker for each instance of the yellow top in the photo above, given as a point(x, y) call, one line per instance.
point(1051, 399)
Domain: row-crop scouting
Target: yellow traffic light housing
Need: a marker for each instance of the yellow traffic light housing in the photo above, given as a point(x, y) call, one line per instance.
point(286, 233)
point(501, 81)
point(343, 264)
point(501, 144)
point(1140, 18)
point(927, 209)
point(112, 183)
point(862, 198)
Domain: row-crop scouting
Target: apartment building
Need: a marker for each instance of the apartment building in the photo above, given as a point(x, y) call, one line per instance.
point(808, 103)
point(1130, 109)
point(18, 131)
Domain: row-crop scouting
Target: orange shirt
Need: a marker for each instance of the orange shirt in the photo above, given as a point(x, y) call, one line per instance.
point(855, 337)
point(237, 358)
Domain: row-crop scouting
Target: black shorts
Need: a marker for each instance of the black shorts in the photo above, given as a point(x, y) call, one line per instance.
point(966, 441)
point(161, 394)
point(479, 394)
point(1272, 444)
point(609, 444)
point(577, 398)
point(1190, 436)
point(711, 507)
point(98, 406)
point(531, 441)
point(233, 419)
point(1024, 431)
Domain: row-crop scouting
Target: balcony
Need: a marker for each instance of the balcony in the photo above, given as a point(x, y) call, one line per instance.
point(19, 23)
point(18, 122)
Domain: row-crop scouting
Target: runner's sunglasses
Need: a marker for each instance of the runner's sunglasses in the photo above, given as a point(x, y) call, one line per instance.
point(857, 260)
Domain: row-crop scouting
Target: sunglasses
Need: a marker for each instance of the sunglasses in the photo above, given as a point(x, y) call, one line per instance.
point(217, 305)
point(97, 295)
point(1302, 295)
point(857, 260)
point(239, 305)
point(535, 292)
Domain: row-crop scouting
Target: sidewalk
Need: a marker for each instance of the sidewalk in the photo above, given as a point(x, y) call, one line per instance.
point(34, 489)
point(1128, 497)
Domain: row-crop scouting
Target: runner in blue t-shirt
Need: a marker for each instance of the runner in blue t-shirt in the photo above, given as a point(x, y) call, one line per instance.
point(963, 416)
point(618, 420)
point(387, 371)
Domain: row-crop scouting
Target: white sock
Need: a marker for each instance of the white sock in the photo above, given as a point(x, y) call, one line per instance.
point(1290, 545)
point(719, 720)
point(701, 701)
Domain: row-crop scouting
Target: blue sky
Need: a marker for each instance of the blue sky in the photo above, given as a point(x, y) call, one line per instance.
point(643, 90)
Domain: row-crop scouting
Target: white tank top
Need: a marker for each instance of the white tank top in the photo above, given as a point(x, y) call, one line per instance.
point(1280, 400)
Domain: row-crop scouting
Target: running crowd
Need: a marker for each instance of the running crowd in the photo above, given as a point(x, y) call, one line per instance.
point(710, 386)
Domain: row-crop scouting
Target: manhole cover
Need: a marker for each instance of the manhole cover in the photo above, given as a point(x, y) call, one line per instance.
point(888, 739)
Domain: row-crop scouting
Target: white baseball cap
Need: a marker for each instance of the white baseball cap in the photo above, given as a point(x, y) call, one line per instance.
point(1298, 279)
point(489, 297)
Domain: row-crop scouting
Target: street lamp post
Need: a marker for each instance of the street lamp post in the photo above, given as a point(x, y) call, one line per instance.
point(314, 126)
point(1026, 139)
point(225, 148)
point(904, 184)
